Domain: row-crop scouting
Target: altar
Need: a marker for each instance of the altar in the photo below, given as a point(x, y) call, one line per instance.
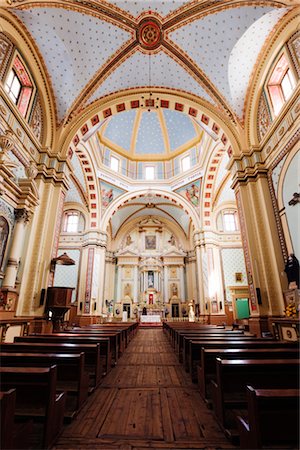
point(150, 318)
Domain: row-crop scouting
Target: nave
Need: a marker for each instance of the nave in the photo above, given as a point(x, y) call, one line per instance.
point(146, 401)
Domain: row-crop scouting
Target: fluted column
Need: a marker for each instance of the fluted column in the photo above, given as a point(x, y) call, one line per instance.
point(182, 284)
point(21, 217)
point(200, 291)
point(119, 284)
point(135, 284)
point(166, 295)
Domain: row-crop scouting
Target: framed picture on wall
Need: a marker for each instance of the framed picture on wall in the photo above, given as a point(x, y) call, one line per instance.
point(238, 277)
point(150, 242)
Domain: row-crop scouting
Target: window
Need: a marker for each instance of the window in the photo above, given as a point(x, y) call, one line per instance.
point(19, 87)
point(71, 222)
point(114, 164)
point(186, 163)
point(13, 86)
point(149, 172)
point(229, 221)
point(281, 84)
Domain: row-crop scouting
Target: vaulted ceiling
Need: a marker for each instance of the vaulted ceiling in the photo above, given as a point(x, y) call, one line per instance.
point(93, 49)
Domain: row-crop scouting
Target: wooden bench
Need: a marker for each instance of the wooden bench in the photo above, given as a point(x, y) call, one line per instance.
point(208, 369)
point(187, 351)
point(13, 435)
point(195, 349)
point(92, 362)
point(272, 419)
point(117, 339)
point(105, 353)
point(71, 376)
point(173, 329)
point(37, 398)
point(229, 389)
point(183, 336)
point(128, 330)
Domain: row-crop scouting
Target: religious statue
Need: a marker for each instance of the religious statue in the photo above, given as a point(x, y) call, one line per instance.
point(127, 289)
point(172, 240)
point(292, 269)
point(191, 311)
point(128, 240)
point(174, 290)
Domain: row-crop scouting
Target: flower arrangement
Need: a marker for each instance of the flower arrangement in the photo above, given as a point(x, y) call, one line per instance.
point(290, 310)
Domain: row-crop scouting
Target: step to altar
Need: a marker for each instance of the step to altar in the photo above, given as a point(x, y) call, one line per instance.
point(150, 325)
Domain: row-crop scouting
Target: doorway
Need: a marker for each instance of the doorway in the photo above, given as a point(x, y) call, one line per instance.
point(175, 310)
point(127, 308)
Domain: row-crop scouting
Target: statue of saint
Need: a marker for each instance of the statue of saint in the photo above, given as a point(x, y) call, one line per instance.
point(128, 240)
point(174, 290)
point(292, 269)
point(127, 289)
point(191, 311)
point(172, 240)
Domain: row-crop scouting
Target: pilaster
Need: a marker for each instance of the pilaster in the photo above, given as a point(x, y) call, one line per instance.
point(263, 255)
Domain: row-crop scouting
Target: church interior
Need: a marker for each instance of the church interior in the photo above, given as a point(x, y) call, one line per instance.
point(149, 199)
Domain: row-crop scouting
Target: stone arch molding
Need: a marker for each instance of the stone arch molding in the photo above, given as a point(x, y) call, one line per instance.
point(207, 116)
point(176, 199)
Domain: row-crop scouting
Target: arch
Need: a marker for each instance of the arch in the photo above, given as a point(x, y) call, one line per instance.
point(175, 198)
point(12, 28)
point(203, 112)
point(128, 227)
point(288, 26)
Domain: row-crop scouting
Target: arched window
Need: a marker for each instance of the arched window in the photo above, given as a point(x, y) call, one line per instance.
point(227, 221)
point(281, 84)
point(4, 232)
point(18, 85)
point(73, 222)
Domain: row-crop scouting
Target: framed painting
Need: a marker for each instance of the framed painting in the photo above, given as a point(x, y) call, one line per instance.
point(150, 242)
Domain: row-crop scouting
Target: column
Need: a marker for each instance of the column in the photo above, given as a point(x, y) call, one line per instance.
point(98, 279)
point(262, 249)
point(166, 293)
point(135, 284)
point(21, 217)
point(200, 291)
point(119, 288)
point(182, 284)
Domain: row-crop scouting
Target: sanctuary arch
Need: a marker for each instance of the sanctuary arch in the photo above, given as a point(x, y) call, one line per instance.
point(150, 250)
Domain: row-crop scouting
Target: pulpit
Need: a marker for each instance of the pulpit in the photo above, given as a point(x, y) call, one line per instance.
point(58, 302)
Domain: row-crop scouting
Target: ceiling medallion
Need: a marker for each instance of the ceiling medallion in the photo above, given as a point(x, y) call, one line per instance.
point(149, 33)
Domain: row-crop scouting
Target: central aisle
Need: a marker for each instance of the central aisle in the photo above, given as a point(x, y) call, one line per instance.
point(147, 401)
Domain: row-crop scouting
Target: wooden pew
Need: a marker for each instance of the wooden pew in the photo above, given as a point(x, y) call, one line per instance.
point(128, 329)
point(195, 349)
point(105, 353)
point(12, 435)
point(117, 339)
point(229, 389)
point(92, 362)
point(272, 419)
point(182, 336)
point(174, 328)
point(208, 369)
point(71, 376)
point(37, 399)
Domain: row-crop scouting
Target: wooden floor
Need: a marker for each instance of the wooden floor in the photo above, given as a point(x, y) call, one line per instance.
point(147, 401)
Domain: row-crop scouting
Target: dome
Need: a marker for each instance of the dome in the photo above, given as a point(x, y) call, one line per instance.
point(155, 133)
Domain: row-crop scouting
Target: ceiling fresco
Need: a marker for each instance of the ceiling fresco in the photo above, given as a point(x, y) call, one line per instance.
point(95, 49)
point(158, 132)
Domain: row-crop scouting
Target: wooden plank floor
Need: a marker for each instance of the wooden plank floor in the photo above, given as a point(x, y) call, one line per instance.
point(147, 401)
